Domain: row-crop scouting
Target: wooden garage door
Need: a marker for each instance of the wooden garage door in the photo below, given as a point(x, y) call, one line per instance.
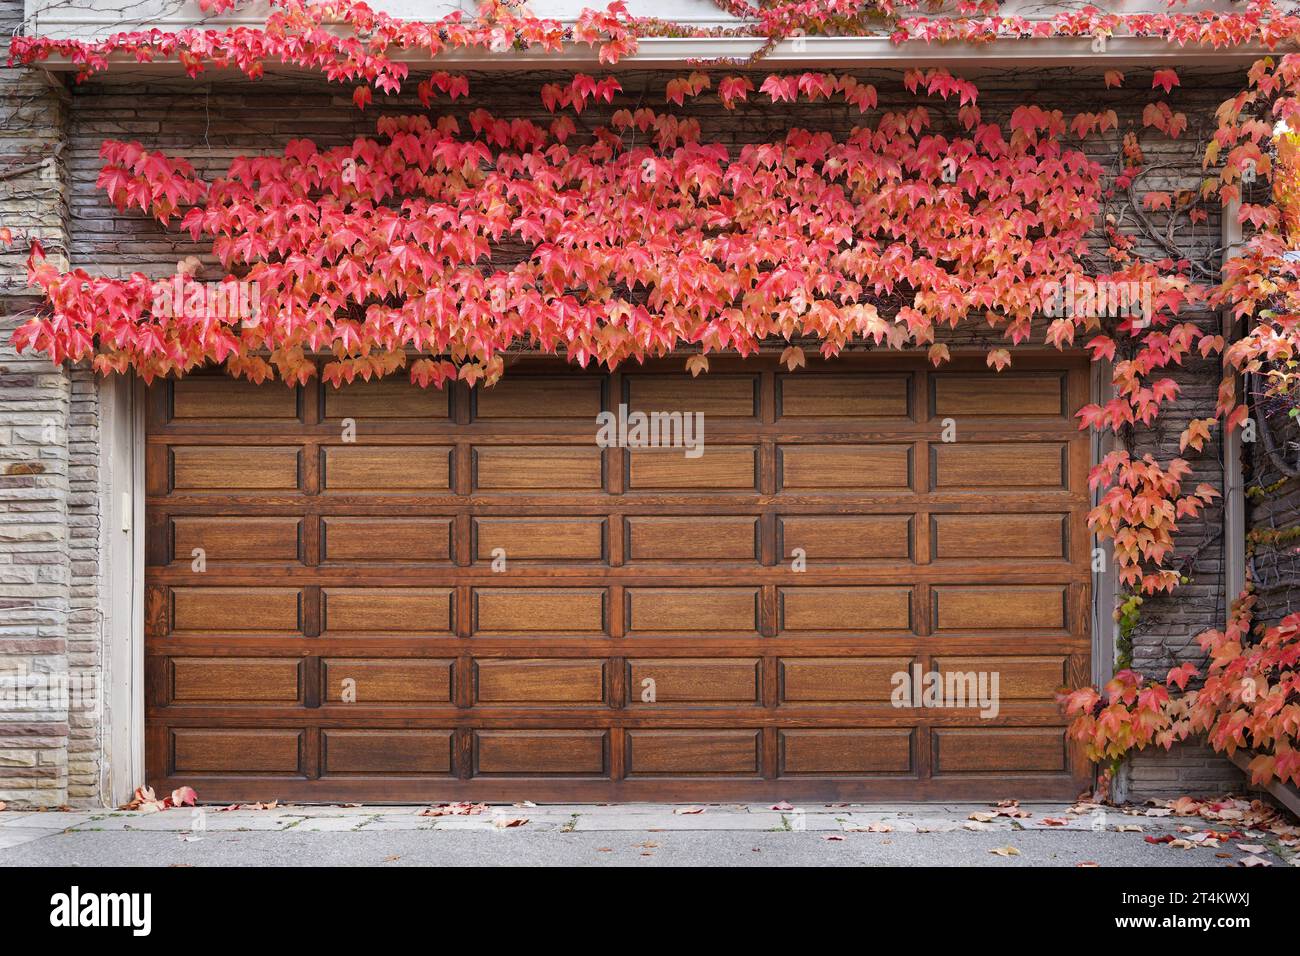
point(385, 593)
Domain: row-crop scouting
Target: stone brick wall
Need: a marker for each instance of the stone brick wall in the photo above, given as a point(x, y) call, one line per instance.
point(49, 473)
point(54, 555)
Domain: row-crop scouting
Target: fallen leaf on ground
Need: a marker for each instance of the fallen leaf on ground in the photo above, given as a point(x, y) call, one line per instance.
point(1255, 861)
point(505, 823)
point(983, 816)
point(976, 825)
point(1005, 851)
point(1055, 821)
point(1252, 848)
point(1088, 863)
point(833, 836)
point(389, 859)
point(687, 810)
point(876, 827)
point(1128, 828)
point(783, 805)
point(453, 809)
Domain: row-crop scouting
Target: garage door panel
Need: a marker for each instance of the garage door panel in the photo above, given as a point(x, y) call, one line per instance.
point(1021, 536)
point(843, 396)
point(961, 466)
point(985, 608)
point(846, 538)
point(686, 752)
point(656, 682)
point(721, 467)
point(540, 397)
point(235, 680)
point(649, 633)
point(538, 468)
point(845, 609)
point(236, 539)
point(691, 538)
point(197, 398)
point(539, 610)
point(363, 540)
point(721, 396)
point(387, 609)
point(236, 609)
point(1019, 678)
point(999, 750)
point(540, 681)
point(540, 539)
point(387, 680)
point(1010, 394)
point(840, 679)
point(213, 750)
point(845, 752)
point(387, 751)
point(386, 468)
point(843, 467)
point(541, 753)
point(699, 610)
point(234, 468)
point(392, 397)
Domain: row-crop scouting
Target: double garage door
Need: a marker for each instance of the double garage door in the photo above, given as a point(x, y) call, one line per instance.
point(385, 593)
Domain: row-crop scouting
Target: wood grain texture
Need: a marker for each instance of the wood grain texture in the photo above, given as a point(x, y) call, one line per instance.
point(649, 635)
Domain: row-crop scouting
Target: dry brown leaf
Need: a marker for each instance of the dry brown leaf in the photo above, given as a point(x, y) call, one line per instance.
point(982, 816)
point(1005, 851)
point(1252, 848)
point(1255, 861)
point(505, 823)
point(688, 810)
point(1129, 828)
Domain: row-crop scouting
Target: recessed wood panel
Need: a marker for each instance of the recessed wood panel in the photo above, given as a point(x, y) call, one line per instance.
point(540, 539)
point(720, 468)
point(986, 608)
point(540, 396)
point(840, 679)
point(846, 538)
point(539, 610)
point(999, 536)
point(234, 680)
point(386, 609)
point(365, 540)
point(998, 749)
point(724, 396)
point(844, 751)
point(692, 609)
point(692, 752)
point(222, 397)
point(867, 467)
point(386, 751)
point(246, 468)
point(393, 396)
point(1025, 465)
point(388, 680)
point(691, 538)
point(673, 680)
point(1004, 394)
point(843, 396)
point(1018, 678)
point(235, 539)
point(845, 608)
point(211, 750)
point(538, 468)
point(540, 681)
point(543, 753)
point(381, 468)
point(235, 609)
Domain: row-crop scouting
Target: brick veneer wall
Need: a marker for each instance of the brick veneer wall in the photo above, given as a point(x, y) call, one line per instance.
point(209, 124)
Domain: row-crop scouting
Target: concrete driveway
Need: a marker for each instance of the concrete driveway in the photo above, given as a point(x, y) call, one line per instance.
point(637, 835)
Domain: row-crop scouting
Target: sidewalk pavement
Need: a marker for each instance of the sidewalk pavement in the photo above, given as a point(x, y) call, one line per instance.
point(633, 834)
